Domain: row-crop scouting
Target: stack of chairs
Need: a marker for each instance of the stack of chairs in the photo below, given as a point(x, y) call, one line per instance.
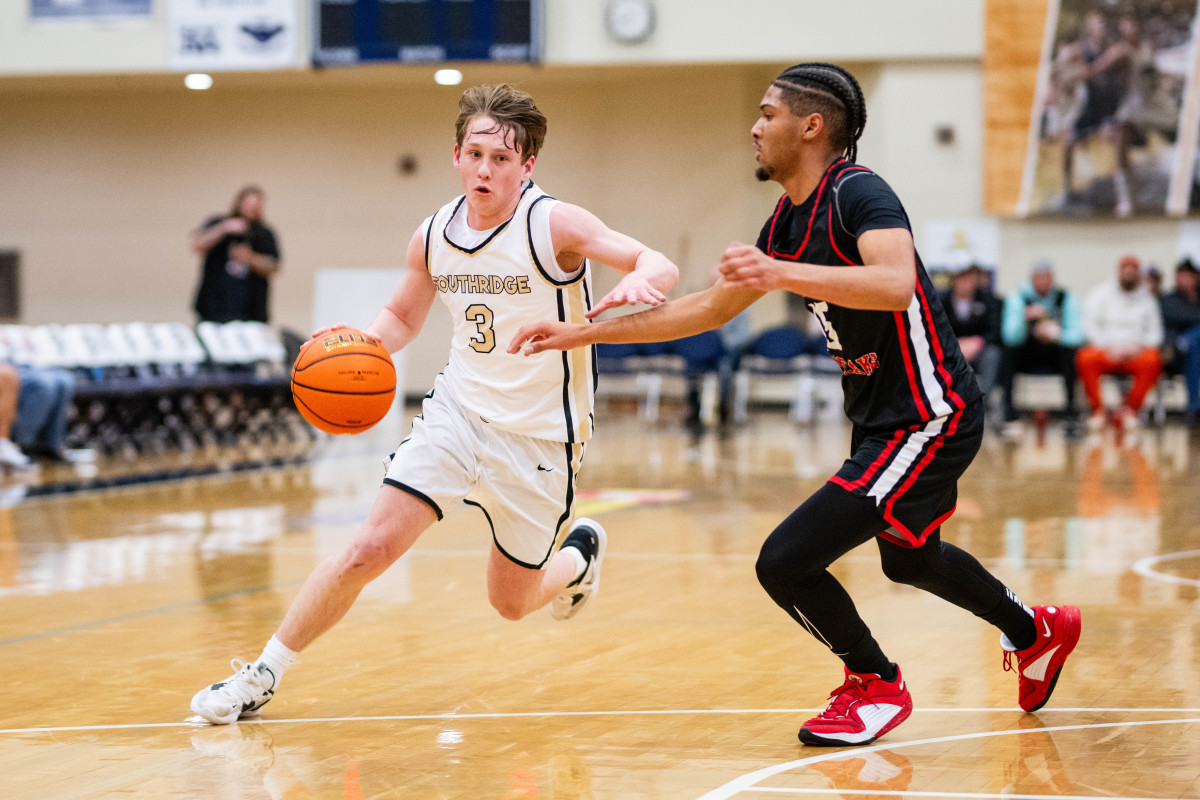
point(145, 387)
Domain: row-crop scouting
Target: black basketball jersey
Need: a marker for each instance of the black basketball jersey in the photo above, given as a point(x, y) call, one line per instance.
point(899, 368)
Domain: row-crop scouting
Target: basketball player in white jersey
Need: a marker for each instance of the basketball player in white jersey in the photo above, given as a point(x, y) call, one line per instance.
point(498, 431)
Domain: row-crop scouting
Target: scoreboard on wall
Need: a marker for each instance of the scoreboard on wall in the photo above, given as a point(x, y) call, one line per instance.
point(425, 31)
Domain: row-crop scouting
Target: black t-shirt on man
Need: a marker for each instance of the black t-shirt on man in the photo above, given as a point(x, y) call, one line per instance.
point(229, 290)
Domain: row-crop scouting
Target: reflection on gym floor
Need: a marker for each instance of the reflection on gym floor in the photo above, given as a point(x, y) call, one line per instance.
point(119, 599)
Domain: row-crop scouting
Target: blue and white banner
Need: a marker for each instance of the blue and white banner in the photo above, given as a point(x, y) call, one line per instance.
point(215, 35)
point(90, 9)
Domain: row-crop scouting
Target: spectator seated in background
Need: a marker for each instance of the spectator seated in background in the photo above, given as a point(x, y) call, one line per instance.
point(40, 428)
point(11, 456)
point(1041, 328)
point(974, 313)
point(1181, 323)
point(1123, 326)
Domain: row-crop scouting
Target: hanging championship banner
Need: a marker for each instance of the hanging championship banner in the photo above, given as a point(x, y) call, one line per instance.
point(215, 35)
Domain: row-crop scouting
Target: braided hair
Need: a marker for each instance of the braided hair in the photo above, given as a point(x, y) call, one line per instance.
point(832, 92)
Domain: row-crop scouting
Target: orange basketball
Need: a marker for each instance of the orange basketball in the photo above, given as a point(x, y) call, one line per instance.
point(343, 382)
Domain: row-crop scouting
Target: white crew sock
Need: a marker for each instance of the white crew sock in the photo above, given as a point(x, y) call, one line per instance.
point(277, 657)
point(581, 563)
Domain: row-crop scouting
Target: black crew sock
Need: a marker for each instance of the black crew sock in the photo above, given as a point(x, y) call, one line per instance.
point(1014, 622)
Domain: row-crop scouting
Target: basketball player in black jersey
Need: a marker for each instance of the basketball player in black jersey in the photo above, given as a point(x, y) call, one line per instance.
point(840, 238)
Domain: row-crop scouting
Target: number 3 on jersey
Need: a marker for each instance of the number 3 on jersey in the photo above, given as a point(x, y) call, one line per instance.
point(831, 336)
point(485, 340)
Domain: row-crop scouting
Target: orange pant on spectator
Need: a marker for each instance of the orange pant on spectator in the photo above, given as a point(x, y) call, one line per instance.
point(1094, 362)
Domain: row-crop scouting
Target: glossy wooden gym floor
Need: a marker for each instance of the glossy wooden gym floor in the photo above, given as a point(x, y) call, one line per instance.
point(681, 681)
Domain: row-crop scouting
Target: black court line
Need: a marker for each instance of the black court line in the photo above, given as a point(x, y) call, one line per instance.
point(138, 614)
point(160, 476)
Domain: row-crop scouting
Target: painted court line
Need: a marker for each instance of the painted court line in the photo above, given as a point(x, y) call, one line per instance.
point(1145, 567)
point(195, 722)
point(746, 783)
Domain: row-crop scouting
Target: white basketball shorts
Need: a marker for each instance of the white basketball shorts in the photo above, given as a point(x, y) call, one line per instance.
point(524, 486)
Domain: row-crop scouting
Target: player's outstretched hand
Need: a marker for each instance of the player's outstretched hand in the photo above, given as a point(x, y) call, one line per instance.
point(539, 336)
point(746, 267)
point(337, 326)
point(631, 290)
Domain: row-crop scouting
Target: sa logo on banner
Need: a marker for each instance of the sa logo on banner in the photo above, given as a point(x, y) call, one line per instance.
point(233, 34)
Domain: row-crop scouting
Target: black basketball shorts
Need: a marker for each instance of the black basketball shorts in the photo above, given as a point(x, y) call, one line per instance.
point(912, 474)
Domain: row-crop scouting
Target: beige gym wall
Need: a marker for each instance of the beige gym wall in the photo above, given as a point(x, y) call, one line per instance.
point(103, 179)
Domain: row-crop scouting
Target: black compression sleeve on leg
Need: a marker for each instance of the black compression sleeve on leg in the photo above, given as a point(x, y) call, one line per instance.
point(956, 576)
point(792, 567)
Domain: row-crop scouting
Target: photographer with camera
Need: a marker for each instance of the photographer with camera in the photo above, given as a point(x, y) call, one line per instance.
point(241, 256)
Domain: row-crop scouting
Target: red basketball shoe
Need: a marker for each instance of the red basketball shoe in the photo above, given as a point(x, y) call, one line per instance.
point(1039, 665)
point(861, 710)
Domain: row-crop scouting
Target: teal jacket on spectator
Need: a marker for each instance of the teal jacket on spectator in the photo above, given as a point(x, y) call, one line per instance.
point(1061, 306)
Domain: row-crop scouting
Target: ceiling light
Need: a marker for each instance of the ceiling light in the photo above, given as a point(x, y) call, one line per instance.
point(198, 81)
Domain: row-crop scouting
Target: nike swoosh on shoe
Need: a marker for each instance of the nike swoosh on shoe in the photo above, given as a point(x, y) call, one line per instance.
point(1037, 670)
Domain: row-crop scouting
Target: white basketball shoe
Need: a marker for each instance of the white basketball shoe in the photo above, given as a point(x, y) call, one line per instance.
point(239, 696)
point(590, 539)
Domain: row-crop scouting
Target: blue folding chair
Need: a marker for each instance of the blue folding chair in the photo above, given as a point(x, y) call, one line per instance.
point(786, 352)
point(645, 363)
point(701, 354)
point(699, 358)
point(617, 359)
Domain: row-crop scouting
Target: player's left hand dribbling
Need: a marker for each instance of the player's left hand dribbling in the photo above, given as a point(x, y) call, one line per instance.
point(337, 326)
point(328, 329)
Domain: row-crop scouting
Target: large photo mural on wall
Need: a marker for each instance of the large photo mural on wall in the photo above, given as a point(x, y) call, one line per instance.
point(1114, 130)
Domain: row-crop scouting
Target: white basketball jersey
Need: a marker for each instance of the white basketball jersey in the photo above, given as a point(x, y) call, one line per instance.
point(494, 282)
